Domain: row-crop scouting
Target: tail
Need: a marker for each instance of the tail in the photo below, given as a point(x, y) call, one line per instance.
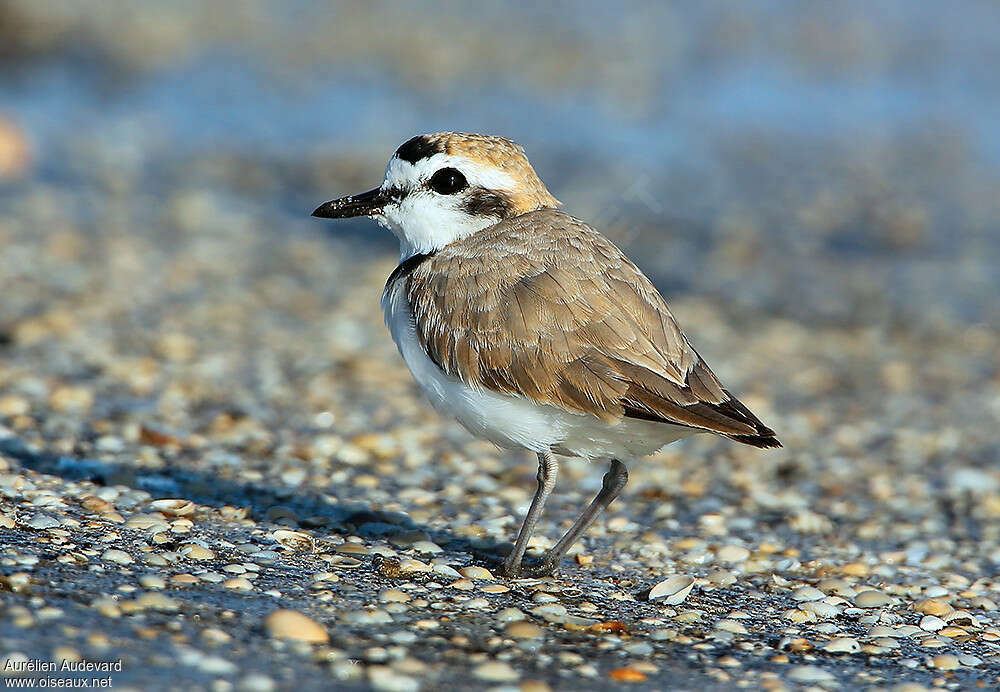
point(762, 437)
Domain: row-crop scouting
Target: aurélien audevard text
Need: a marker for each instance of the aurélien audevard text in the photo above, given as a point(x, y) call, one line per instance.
point(35, 665)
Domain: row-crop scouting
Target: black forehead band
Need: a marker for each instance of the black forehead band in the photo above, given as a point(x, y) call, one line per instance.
point(416, 148)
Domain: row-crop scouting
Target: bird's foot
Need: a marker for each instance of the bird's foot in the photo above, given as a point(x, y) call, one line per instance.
point(523, 570)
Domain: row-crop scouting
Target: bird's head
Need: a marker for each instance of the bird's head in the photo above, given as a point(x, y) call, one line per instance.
point(441, 187)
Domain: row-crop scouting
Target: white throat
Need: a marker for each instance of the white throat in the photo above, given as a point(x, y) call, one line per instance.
point(425, 221)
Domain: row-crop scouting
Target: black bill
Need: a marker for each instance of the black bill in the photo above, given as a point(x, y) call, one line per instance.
point(366, 204)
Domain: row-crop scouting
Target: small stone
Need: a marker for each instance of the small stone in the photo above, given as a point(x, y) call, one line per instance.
point(855, 569)
point(42, 522)
point(810, 674)
point(385, 679)
point(808, 593)
point(510, 615)
point(238, 584)
point(447, 571)
point(872, 599)
point(732, 553)
point(13, 405)
point(290, 624)
point(427, 547)
point(409, 565)
point(256, 682)
point(152, 581)
point(393, 596)
point(295, 541)
point(673, 590)
point(552, 612)
point(173, 508)
point(932, 606)
point(193, 551)
point(495, 588)
point(731, 626)
point(476, 572)
point(946, 662)
point(117, 556)
point(627, 675)
point(184, 579)
point(155, 600)
point(842, 645)
point(215, 636)
point(931, 623)
point(722, 578)
point(496, 671)
point(523, 630)
point(821, 609)
point(534, 686)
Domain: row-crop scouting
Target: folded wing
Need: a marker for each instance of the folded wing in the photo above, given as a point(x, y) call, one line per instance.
point(565, 318)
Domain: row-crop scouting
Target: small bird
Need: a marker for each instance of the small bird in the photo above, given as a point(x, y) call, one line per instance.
point(530, 327)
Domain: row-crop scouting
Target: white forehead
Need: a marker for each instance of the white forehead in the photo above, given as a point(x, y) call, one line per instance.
point(403, 174)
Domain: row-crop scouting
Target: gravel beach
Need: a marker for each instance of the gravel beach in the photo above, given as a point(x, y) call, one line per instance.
point(216, 470)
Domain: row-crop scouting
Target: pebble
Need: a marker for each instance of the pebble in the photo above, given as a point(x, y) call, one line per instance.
point(385, 679)
point(152, 581)
point(295, 541)
point(476, 572)
point(523, 630)
point(42, 522)
point(117, 556)
point(732, 554)
point(932, 606)
point(173, 507)
point(290, 624)
point(722, 578)
point(871, 599)
point(553, 612)
point(193, 551)
point(393, 596)
point(673, 590)
point(931, 623)
point(946, 662)
point(842, 645)
point(510, 615)
point(256, 682)
point(409, 565)
point(806, 674)
point(496, 671)
point(808, 593)
point(495, 588)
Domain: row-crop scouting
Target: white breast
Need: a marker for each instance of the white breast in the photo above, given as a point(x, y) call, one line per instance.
point(515, 421)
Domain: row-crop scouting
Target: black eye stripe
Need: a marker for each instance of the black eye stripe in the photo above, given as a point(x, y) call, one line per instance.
point(448, 181)
point(483, 202)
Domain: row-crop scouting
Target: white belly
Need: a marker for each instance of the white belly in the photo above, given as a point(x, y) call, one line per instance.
point(514, 421)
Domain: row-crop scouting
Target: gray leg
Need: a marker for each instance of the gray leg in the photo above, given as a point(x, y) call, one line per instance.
point(614, 481)
point(548, 469)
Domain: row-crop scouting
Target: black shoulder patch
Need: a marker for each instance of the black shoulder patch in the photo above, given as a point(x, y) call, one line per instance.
point(405, 268)
point(417, 148)
point(483, 202)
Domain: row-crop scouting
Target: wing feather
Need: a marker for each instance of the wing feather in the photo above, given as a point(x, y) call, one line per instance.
point(564, 317)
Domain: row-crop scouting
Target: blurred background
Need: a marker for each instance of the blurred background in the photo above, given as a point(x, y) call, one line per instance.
point(846, 154)
point(814, 187)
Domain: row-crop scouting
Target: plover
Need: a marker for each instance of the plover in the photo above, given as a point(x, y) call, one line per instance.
point(530, 327)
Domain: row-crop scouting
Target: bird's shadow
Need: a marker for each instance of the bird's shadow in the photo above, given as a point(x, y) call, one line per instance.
point(310, 509)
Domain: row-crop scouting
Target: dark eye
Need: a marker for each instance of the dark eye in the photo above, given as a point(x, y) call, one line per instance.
point(448, 181)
